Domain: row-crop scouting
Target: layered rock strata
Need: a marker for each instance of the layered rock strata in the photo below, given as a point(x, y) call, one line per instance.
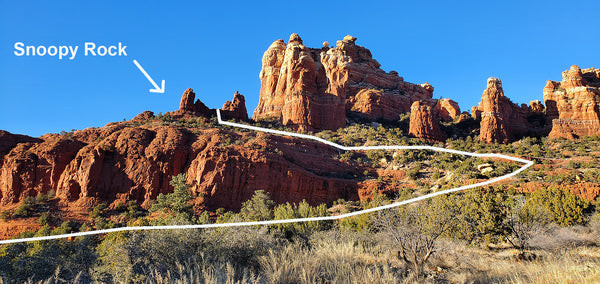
point(573, 105)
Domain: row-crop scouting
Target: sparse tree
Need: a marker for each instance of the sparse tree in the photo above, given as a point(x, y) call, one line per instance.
point(524, 224)
point(414, 230)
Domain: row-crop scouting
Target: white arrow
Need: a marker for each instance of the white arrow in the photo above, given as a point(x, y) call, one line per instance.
point(156, 89)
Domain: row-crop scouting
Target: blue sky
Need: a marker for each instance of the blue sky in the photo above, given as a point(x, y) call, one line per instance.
point(216, 49)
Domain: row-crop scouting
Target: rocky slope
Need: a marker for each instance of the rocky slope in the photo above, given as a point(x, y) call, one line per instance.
point(574, 104)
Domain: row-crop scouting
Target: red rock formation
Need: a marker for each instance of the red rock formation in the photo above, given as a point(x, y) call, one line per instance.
point(377, 104)
point(145, 115)
point(573, 105)
point(270, 104)
point(228, 176)
point(536, 107)
point(187, 101)
point(312, 88)
point(464, 116)
point(236, 108)
point(447, 109)
point(292, 89)
point(120, 163)
point(501, 120)
point(424, 121)
point(9, 141)
point(32, 168)
point(187, 106)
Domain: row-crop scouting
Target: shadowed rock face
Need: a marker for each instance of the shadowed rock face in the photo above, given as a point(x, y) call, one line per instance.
point(573, 105)
point(311, 89)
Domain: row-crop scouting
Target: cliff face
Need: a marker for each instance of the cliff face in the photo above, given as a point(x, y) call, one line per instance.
point(573, 105)
point(501, 120)
point(136, 160)
point(311, 89)
point(293, 89)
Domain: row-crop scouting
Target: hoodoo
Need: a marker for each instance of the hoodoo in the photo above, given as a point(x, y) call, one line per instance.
point(501, 119)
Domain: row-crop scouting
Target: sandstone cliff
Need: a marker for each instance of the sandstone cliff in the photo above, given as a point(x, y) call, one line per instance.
point(573, 105)
point(447, 109)
point(311, 89)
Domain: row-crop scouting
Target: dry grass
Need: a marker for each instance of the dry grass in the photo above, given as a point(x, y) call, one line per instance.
point(563, 255)
point(330, 261)
point(568, 265)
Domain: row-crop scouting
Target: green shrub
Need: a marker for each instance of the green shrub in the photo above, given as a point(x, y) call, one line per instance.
point(564, 207)
point(6, 215)
point(45, 219)
point(25, 208)
point(258, 208)
point(98, 211)
point(301, 210)
point(177, 202)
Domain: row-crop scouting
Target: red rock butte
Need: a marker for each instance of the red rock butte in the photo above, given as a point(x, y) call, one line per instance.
point(314, 88)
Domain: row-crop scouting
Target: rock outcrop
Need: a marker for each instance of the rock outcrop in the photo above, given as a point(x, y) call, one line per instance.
point(124, 161)
point(425, 121)
point(312, 89)
point(189, 108)
point(377, 104)
point(536, 107)
point(447, 109)
point(145, 115)
point(501, 120)
point(236, 108)
point(573, 105)
point(296, 94)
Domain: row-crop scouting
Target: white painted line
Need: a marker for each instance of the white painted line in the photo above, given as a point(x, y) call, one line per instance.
point(322, 218)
